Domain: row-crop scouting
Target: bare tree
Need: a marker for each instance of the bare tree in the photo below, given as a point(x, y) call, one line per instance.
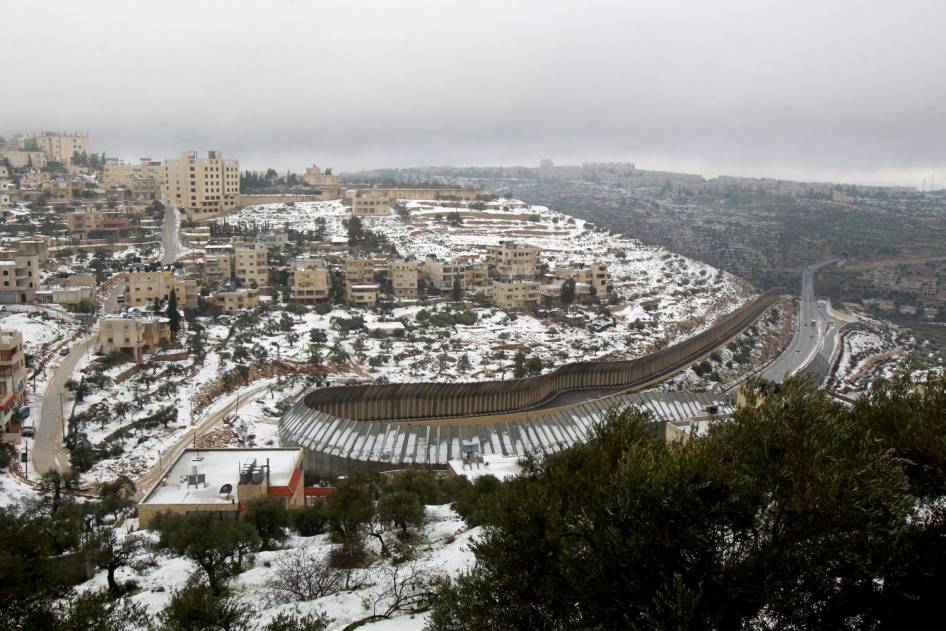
point(405, 586)
point(303, 575)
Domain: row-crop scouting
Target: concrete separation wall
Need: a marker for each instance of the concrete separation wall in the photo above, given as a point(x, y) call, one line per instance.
point(411, 401)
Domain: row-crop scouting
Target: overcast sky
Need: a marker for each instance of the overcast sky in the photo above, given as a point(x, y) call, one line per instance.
point(822, 90)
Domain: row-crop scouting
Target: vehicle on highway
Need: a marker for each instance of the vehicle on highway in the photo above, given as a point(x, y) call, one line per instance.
point(63, 351)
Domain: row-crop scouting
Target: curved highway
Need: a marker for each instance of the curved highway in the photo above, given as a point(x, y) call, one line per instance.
point(815, 332)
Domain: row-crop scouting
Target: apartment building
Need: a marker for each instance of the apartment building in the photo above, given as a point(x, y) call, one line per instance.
point(513, 260)
point(143, 179)
point(236, 300)
point(19, 277)
point(202, 187)
point(251, 264)
point(111, 223)
point(362, 295)
point(369, 203)
point(12, 379)
point(403, 276)
point(309, 280)
point(217, 268)
point(595, 275)
point(314, 176)
point(143, 286)
point(133, 332)
point(516, 295)
point(358, 271)
point(443, 274)
point(59, 147)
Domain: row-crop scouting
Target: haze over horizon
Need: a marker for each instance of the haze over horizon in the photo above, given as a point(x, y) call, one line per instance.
point(792, 90)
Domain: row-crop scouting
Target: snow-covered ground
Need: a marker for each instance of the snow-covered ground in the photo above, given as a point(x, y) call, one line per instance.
point(115, 407)
point(681, 296)
point(870, 348)
point(444, 550)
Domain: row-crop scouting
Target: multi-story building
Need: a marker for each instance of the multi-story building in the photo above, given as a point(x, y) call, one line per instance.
point(236, 299)
point(12, 379)
point(362, 295)
point(403, 278)
point(251, 264)
point(513, 260)
point(369, 203)
point(217, 268)
point(595, 275)
point(475, 275)
point(144, 179)
point(442, 275)
point(203, 187)
point(143, 286)
point(60, 147)
point(516, 295)
point(314, 176)
point(308, 280)
point(19, 277)
point(134, 333)
point(358, 271)
point(80, 224)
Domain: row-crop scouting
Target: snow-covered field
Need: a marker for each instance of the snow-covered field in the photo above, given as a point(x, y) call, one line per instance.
point(869, 349)
point(442, 551)
point(115, 408)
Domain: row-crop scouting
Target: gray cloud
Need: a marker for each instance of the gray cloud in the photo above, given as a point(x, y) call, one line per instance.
point(816, 90)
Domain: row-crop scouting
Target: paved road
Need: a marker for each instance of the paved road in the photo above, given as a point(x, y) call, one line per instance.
point(48, 451)
point(171, 235)
point(808, 340)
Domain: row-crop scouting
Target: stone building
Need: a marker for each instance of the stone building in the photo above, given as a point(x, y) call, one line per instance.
point(236, 299)
point(143, 179)
point(19, 277)
point(143, 285)
point(515, 295)
point(59, 147)
point(402, 276)
point(251, 264)
point(203, 188)
point(314, 176)
point(132, 332)
point(513, 260)
point(595, 275)
point(369, 203)
point(362, 295)
point(309, 280)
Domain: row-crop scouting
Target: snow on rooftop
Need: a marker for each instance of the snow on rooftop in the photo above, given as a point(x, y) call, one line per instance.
point(219, 466)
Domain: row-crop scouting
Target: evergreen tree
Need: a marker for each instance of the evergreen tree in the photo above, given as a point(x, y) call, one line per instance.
point(173, 314)
point(798, 513)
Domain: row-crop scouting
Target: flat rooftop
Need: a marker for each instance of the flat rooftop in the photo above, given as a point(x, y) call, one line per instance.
point(219, 466)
